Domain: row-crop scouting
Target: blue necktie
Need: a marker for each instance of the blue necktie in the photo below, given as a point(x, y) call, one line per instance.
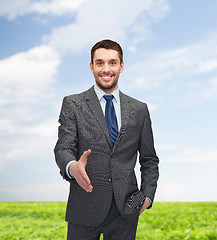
point(111, 118)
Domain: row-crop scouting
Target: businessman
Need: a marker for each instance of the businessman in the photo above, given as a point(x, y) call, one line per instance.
point(100, 134)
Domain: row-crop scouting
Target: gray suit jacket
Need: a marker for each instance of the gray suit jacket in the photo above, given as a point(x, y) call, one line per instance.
point(110, 169)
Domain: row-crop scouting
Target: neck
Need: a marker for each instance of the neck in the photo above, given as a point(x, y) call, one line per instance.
point(107, 90)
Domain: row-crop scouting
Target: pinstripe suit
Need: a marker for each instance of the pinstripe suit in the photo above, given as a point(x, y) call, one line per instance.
point(110, 169)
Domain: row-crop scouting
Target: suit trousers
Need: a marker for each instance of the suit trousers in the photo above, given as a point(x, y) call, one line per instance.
point(114, 227)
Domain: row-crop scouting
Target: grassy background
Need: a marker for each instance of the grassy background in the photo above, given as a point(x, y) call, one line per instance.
point(165, 221)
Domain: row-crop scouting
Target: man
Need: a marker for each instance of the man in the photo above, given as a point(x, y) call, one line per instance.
point(101, 132)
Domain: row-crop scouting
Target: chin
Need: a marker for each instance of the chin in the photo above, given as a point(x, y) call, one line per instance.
point(107, 86)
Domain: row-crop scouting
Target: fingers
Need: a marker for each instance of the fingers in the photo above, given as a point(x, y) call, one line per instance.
point(82, 182)
point(145, 205)
point(85, 177)
point(81, 176)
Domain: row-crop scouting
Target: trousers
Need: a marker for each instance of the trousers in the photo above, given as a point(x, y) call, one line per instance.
point(114, 227)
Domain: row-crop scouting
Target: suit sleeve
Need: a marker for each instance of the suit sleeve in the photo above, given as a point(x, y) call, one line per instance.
point(66, 146)
point(148, 159)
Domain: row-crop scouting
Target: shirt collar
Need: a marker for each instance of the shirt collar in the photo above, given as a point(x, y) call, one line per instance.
point(100, 93)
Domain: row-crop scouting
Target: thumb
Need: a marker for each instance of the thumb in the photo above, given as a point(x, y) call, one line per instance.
point(84, 156)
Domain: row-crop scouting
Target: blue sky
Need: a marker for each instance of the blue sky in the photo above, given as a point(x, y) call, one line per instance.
point(170, 55)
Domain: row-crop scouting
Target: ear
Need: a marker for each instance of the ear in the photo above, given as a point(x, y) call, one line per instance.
point(122, 67)
point(91, 67)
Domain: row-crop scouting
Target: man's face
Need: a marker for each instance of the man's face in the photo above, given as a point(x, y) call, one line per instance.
point(106, 68)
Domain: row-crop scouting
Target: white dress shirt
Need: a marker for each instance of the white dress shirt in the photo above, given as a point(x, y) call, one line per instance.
point(116, 102)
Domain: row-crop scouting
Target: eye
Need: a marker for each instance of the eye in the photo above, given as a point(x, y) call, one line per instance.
point(99, 63)
point(113, 63)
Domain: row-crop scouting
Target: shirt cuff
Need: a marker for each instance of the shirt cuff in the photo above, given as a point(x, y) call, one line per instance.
point(150, 201)
point(67, 169)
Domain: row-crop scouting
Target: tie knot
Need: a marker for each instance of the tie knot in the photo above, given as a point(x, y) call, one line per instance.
point(108, 97)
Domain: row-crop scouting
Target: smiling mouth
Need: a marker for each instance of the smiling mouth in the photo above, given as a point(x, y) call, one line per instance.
point(106, 78)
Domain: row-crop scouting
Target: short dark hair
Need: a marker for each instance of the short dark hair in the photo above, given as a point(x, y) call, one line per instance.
point(107, 44)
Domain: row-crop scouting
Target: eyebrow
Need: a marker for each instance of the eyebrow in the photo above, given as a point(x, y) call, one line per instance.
point(101, 60)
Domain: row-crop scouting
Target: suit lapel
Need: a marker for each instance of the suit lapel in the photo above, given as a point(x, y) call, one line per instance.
point(125, 111)
point(94, 104)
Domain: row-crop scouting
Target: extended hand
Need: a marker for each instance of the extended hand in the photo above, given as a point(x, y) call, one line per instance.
point(77, 170)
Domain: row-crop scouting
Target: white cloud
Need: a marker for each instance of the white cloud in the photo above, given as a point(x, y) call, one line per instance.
point(26, 91)
point(27, 140)
point(97, 20)
point(26, 74)
point(13, 9)
point(210, 89)
point(163, 67)
point(25, 124)
point(187, 74)
point(56, 7)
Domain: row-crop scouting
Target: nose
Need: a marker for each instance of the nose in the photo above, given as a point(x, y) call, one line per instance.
point(106, 68)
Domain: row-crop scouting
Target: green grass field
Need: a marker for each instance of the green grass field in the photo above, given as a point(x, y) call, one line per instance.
point(45, 220)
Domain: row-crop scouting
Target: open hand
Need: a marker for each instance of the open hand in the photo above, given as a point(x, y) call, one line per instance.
point(77, 170)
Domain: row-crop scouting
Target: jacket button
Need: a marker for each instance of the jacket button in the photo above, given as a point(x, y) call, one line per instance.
point(109, 180)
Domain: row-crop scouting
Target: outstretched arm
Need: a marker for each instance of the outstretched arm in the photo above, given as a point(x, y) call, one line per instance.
point(66, 149)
